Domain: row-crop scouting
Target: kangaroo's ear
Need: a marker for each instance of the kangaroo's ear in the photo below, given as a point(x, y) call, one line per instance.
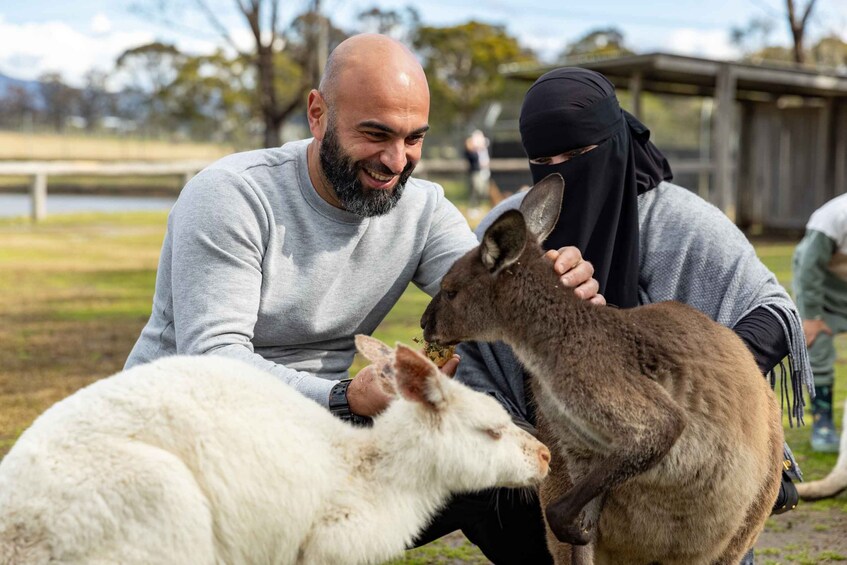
point(542, 204)
point(382, 357)
point(374, 350)
point(503, 241)
point(419, 379)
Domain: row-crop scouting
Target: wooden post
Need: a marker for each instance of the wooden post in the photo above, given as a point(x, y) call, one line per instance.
point(722, 141)
point(635, 87)
point(38, 194)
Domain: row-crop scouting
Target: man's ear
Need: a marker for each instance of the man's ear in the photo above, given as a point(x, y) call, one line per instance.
point(317, 112)
point(503, 242)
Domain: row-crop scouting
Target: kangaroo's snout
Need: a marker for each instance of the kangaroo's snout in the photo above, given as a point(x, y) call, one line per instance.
point(428, 319)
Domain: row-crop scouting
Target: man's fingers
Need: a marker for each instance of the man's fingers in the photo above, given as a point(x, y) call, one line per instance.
point(598, 299)
point(449, 368)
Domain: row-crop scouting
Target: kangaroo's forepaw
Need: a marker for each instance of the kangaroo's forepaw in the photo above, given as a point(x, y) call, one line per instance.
point(567, 529)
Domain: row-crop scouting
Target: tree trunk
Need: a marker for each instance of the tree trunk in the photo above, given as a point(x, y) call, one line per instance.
point(798, 28)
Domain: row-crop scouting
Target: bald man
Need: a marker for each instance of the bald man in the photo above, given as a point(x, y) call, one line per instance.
point(279, 257)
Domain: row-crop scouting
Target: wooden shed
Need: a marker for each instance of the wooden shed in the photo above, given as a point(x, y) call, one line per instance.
point(779, 134)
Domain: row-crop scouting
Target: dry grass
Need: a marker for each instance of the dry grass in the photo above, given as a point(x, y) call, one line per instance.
point(23, 146)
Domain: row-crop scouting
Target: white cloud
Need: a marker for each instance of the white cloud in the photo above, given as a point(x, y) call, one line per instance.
point(28, 50)
point(31, 49)
point(101, 24)
point(711, 44)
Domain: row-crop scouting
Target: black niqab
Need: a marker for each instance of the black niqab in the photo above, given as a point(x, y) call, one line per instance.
point(570, 108)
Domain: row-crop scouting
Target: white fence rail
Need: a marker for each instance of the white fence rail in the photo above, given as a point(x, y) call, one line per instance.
point(41, 171)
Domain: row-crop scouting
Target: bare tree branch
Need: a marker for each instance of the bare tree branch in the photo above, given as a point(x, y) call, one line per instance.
point(219, 27)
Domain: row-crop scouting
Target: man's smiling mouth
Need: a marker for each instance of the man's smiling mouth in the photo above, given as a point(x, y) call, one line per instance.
point(378, 176)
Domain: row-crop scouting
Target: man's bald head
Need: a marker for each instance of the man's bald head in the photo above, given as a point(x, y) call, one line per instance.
point(369, 61)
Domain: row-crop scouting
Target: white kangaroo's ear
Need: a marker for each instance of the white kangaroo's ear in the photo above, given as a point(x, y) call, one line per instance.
point(542, 205)
point(503, 241)
point(419, 379)
point(382, 357)
point(374, 350)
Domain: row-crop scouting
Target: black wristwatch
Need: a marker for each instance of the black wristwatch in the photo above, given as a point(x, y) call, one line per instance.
point(340, 408)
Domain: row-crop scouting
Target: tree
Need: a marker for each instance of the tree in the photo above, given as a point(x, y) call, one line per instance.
point(754, 38)
point(284, 65)
point(831, 52)
point(602, 42)
point(59, 99)
point(401, 25)
point(462, 66)
point(797, 21)
point(95, 102)
point(151, 69)
point(18, 107)
point(209, 99)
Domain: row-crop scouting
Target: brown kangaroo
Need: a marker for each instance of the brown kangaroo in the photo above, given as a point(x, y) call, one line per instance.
point(666, 440)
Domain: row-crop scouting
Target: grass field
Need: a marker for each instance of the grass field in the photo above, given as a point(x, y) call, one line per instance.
point(76, 290)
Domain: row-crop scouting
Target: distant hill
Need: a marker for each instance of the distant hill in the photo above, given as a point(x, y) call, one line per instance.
point(7, 82)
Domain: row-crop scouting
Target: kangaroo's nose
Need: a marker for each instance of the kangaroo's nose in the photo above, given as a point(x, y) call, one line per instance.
point(544, 459)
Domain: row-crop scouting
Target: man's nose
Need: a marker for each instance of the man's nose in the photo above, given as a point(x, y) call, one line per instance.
point(394, 157)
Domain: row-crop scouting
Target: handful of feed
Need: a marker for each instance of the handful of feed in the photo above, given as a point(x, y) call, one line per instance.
point(438, 354)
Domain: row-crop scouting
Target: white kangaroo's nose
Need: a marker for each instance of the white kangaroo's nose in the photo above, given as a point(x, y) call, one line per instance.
point(544, 459)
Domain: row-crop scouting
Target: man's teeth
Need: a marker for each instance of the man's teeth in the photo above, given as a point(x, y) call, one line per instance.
point(379, 177)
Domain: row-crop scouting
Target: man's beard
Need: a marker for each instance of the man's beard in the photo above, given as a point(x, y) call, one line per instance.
point(343, 174)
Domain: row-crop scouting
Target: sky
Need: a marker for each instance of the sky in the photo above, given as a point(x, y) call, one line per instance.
point(38, 36)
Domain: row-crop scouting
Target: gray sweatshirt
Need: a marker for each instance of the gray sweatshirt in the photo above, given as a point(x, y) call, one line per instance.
point(257, 266)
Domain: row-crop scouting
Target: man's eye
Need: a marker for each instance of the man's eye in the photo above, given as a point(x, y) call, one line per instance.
point(540, 161)
point(377, 135)
point(414, 140)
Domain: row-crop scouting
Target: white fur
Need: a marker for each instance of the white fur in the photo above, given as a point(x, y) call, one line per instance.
point(208, 460)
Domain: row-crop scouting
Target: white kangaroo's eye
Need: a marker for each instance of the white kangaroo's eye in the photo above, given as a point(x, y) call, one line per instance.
point(494, 434)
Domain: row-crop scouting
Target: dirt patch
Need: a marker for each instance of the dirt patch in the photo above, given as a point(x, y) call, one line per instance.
point(807, 535)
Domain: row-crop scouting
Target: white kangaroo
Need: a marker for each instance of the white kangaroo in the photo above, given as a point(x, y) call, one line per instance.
point(836, 481)
point(667, 441)
point(206, 460)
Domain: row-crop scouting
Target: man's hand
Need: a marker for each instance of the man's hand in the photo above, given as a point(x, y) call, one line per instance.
point(449, 368)
point(814, 327)
point(576, 273)
point(367, 394)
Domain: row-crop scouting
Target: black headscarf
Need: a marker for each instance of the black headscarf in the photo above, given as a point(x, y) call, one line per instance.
point(570, 108)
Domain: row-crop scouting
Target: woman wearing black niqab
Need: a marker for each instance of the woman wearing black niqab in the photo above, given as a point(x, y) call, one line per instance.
point(571, 124)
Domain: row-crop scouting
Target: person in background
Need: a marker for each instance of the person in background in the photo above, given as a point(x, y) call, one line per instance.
point(479, 171)
point(820, 290)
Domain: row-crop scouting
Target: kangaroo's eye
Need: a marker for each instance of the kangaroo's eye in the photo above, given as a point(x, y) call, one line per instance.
point(450, 294)
point(494, 434)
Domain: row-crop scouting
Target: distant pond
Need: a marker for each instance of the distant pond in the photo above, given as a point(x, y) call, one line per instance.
point(19, 204)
